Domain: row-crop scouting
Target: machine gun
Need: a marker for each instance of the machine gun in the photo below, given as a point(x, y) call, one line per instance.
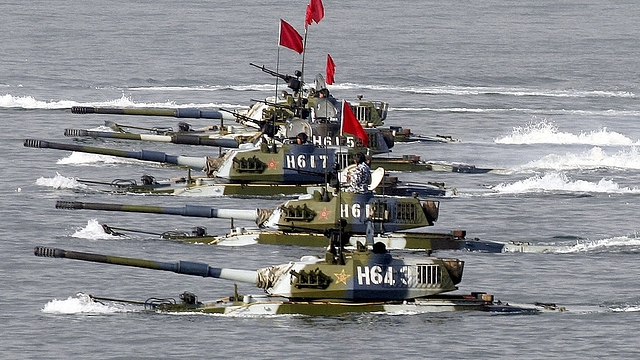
point(266, 127)
point(293, 83)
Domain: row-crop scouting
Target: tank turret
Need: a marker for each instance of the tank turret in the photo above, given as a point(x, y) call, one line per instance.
point(365, 275)
point(352, 213)
point(266, 163)
point(266, 118)
point(256, 165)
point(271, 163)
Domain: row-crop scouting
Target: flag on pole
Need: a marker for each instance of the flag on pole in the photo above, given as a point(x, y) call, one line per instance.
point(331, 70)
point(308, 17)
point(315, 12)
point(290, 38)
point(351, 125)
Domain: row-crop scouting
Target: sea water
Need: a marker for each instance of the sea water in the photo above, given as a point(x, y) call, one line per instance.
point(546, 91)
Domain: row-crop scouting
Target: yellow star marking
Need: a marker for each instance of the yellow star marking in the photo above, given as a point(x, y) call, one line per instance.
point(342, 277)
point(324, 213)
point(272, 164)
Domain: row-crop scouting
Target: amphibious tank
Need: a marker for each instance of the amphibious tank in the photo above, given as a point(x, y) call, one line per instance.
point(356, 213)
point(366, 218)
point(341, 282)
point(265, 169)
point(319, 108)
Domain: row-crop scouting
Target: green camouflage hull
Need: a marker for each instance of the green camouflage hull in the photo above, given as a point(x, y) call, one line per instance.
point(265, 306)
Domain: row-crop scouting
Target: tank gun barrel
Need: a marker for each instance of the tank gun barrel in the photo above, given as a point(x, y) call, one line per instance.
point(187, 210)
point(180, 267)
point(198, 163)
point(188, 139)
point(179, 112)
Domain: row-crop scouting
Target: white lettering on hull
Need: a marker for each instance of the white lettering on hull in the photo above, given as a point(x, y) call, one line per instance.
point(379, 275)
point(306, 161)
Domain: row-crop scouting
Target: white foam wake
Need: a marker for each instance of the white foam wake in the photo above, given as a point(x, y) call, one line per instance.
point(618, 242)
point(60, 182)
point(93, 231)
point(595, 158)
point(545, 132)
point(82, 304)
point(560, 182)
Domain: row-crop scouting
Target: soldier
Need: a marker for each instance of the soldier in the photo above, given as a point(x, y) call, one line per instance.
point(288, 98)
point(360, 177)
point(301, 138)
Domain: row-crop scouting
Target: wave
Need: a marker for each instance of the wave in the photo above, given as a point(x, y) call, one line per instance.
point(93, 231)
point(79, 158)
point(489, 90)
point(83, 304)
point(560, 182)
point(595, 158)
point(29, 103)
point(254, 87)
point(626, 308)
point(618, 243)
point(545, 132)
point(605, 112)
point(60, 182)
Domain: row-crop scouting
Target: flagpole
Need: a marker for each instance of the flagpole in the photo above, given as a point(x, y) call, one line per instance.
point(304, 51)
point(275, 100)
point(278, 58)
point(342, 119)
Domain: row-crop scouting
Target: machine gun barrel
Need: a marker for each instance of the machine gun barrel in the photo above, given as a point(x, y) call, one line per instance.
point(187, 210)
point(292, 82)
point(180, 267)
point(188, 139)
point(197, 163)
point(179, 112)
point(271, 72)
point(282, 106)
point(244, 120)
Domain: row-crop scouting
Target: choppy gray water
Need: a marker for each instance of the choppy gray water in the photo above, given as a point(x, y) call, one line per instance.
point(546, 90)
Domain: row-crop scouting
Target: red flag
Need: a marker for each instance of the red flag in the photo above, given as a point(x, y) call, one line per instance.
point(289, 37)
point(331, 70)
point(351, 125)
point(315, 12)
point(308, 17)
